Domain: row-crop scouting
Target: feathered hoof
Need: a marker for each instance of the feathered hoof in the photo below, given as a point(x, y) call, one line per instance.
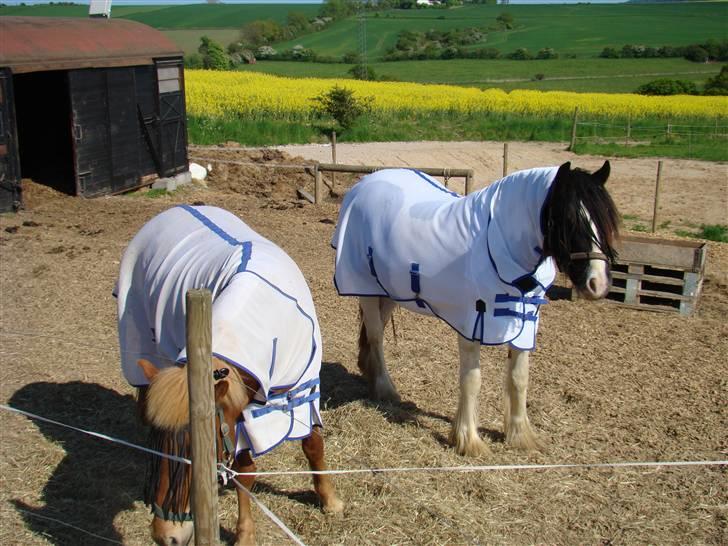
point(521, 436)
point(384, 391)
point(334, 506)
point(468, 445)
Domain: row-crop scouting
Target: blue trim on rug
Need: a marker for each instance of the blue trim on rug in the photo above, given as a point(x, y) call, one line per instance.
point(273, 358)
point(246, 246)
point(505, 298)
point(300, 310)
point(434, 183)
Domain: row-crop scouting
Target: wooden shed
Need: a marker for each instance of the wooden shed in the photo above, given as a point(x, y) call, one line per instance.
point(88, 106)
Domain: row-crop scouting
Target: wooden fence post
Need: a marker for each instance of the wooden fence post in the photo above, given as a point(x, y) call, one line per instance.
point(333, 158)
point(629, 129)
point(468, 182)
point(573, 129)
point(317, 185)
point(505, 158)
point(657, 196)
point(202, 417)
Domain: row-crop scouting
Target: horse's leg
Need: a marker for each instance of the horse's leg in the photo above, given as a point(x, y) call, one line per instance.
point(464, 432)
point(245, 531)
point(313, 448)
point(376, 312)
point(516, 427)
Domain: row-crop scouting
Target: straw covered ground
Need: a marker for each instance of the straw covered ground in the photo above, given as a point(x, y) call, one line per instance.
point(608, 385)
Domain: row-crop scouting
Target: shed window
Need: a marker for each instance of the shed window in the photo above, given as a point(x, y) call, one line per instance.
point(169, 79)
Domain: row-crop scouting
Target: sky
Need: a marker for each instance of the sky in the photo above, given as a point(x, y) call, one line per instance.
point(158, 2)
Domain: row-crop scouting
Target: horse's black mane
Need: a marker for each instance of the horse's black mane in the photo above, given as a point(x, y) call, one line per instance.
point(564, 223)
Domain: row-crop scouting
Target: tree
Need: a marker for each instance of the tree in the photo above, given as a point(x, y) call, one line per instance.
point(696, 54)
point(505, 20)
point(341, 104)
point(666, 86)
point(547, 53)
point(258, 33)
point(362, 72)
point(717, 85)
point(609, 53)
point(213, 55)
point(297, 21)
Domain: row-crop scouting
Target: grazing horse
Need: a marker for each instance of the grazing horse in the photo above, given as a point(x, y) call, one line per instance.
point(482, 263)
point(266, 358)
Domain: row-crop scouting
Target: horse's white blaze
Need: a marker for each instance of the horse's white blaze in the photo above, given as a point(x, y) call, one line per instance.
point(597, 277)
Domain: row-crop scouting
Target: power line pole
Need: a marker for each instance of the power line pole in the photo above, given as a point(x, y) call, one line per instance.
point(363, 41)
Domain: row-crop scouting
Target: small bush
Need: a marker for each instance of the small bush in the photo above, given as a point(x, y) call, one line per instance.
point(713, 232)
point(666, 86)
point(362, 72)
point(717, 85)
point(341, 104)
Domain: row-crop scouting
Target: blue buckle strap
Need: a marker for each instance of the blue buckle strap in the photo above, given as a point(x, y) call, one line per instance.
point(370, 257)
point(415, 283)
point(480, 320)
point(501, 312)
point(286, 407)
point(505, 298)
point(302, 387)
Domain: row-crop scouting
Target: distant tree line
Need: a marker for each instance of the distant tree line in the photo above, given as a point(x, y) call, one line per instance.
point(711, 50)
point(717, 85)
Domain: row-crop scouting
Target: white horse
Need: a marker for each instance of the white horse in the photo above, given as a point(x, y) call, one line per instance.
point(482, 263)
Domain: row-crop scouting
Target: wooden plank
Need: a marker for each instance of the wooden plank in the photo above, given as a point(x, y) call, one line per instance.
point(433, 171)
point(633, 283)
point(691, 289)
point(649, 278)
point(648, 307)
point(684, 255)
point(663, 295)
point(303, 194)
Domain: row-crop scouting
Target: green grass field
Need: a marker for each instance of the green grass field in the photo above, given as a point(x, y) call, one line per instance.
point(597, 75)
point(219, 16)
point(582, 29)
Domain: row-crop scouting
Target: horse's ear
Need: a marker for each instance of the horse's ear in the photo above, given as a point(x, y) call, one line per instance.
point(148, 369)
point(564, 169)
point(221, 389)
point(602, 174)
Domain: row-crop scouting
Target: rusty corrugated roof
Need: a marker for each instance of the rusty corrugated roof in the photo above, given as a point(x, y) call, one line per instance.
point(32, 44)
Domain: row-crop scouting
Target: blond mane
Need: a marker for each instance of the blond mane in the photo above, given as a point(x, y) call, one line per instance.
point(167, 398)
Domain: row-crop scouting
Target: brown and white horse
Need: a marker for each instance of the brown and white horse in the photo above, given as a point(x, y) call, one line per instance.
point(482, 263)
point(266, 355)
point(164, 406)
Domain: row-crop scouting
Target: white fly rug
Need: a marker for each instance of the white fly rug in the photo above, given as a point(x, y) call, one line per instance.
point(263, 317)
point(475, 262)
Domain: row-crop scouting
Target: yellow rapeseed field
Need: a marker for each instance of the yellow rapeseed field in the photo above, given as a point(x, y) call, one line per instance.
point(246, 94)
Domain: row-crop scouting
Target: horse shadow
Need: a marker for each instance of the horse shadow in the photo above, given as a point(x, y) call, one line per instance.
point(340, 387)
point(97, 479)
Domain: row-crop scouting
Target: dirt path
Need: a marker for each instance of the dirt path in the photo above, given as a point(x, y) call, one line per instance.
point(608, 384)
point(693, 192)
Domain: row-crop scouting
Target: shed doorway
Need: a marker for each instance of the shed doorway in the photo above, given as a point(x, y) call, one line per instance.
point(45, 139)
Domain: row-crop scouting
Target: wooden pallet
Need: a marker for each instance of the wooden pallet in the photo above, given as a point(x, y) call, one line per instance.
point(654, 274)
